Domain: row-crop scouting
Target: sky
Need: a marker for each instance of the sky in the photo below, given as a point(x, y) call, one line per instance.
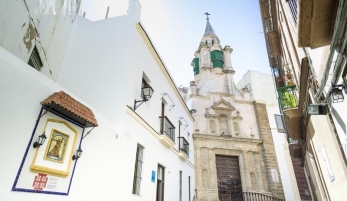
point(177, 26)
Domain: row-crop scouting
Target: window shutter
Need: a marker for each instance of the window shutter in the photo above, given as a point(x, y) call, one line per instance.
point(217, 59)
point(195, 64)
point(280, 123)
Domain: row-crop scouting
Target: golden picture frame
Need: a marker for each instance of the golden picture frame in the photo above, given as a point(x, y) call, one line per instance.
point(57, 146)
point(38, 167)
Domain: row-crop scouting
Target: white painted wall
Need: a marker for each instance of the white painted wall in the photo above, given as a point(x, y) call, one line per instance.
point(103, 68)
point(262, 89)
point(46, 24)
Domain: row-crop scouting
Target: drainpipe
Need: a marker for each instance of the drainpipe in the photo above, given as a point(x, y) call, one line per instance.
point(338, 25)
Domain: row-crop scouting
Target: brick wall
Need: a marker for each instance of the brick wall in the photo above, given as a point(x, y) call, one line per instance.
point(268, 150)
point(301, 180)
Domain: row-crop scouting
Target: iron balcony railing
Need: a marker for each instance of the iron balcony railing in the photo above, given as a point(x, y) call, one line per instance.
point(183, 145)
point(287, 97)
point(250, 196)
point(167, 128)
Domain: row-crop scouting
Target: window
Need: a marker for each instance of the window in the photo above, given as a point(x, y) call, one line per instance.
point(160, 183)
point(189, 188)
point(138, 170)
point(212, 42)
point(293, 9)
point(180, 186)
point(35, 60)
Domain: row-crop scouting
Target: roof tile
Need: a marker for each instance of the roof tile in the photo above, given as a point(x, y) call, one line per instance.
point(68, 103)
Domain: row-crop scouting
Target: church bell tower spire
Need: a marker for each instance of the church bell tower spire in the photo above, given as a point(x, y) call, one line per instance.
point(212, 65)
point(208, 29)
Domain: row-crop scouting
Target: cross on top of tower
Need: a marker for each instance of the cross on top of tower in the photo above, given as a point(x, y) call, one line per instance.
point(207, 14)
point(208, 29)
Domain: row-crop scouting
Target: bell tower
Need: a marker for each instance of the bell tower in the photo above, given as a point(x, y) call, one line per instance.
point(233, 146)
point(212, 64)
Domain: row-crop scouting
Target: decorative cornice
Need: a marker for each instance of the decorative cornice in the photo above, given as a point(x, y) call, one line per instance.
point(200, 97)
point(206, 68)
point(220, 94)
point(243, 101)
point(237, 117)
point(229, 71)
point(212, 115)
point(226, 138)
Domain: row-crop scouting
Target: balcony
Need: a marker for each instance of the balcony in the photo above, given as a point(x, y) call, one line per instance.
point(289, 104)
point(316, 22)
point(167, 132)
point(183, 148)
point(287, 96)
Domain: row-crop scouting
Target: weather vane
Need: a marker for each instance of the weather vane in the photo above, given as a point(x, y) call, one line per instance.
point(207, 14)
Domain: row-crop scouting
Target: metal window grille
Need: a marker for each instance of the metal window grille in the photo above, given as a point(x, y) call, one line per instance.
point(183, 145)
point(138, 170)
point(35, 60)
point(293, 9)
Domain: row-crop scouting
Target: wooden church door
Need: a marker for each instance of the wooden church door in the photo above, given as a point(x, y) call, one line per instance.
point(228, 177)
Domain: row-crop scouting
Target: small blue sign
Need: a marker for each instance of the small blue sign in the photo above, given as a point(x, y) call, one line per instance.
point(153, 176)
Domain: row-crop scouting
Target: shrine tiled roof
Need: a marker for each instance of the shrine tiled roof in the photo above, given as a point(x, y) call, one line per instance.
point(66, 102)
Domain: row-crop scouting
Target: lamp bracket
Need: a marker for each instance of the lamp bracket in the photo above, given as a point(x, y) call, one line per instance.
point(45, 112)
point(172, 103)
point(185, 125)
point(139, 101)
point(88, 133)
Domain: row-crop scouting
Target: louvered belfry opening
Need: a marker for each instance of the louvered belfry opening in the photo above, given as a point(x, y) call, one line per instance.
point(228, 176)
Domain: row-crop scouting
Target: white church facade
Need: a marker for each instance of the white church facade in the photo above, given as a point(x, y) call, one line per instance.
point(72, 86)
point(235, 130)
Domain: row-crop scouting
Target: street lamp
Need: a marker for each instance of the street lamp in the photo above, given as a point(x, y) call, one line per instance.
point(40, 141)
point(192, 111)
point(78, 154)
point(336, 93)
point(147, 92)
point(317, 109)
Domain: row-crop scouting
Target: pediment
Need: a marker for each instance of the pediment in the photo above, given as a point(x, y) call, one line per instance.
point(223, 105)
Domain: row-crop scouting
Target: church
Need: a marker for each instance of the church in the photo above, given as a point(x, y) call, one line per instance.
point(234, 148)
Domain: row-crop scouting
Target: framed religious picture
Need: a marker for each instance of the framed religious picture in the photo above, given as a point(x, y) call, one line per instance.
point(56, 147)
